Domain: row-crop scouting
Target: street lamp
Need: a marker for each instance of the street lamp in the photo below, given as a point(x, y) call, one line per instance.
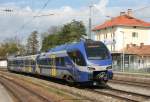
point(123, 51)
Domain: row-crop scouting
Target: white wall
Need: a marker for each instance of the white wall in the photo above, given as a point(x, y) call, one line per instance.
point(101, 36)
point(3, 64)
point(143, 36)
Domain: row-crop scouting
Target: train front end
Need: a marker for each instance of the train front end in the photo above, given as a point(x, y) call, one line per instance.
point(99, 62)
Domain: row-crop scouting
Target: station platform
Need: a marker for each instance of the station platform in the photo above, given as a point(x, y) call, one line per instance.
point(4, 96)
point(132, 77)
point(143, 75)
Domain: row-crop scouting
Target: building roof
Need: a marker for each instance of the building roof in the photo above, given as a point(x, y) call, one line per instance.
point(123, 20)
point(142, 50)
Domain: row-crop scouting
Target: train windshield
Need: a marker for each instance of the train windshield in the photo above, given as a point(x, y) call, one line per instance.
point(77, 58)
point(96, 51)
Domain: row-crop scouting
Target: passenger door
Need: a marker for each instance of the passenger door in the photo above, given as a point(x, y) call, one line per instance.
point(53, 71)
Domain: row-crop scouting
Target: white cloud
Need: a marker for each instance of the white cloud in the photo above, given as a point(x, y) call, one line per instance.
point(101, 6)
point(11, 22)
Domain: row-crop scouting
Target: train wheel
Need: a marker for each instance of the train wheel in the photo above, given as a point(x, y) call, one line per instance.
point(103, 84)
point(70, 80)
point(64, 77)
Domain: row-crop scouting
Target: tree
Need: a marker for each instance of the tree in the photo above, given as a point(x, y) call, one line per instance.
point(10, 46)
point(50, 41)
point(32, 43)
point(70, 32)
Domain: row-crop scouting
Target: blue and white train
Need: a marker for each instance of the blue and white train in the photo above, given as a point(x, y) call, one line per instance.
point(87, 62)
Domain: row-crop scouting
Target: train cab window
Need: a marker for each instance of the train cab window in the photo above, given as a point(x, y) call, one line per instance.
point(96, 51)
point(77, 58)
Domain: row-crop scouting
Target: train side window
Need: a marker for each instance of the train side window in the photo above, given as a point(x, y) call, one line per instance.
point(14, 62)
point(26, 62)
point(67, 62)
point(43, 61)
point(49, 61)
point(60, 61)
point(46, 61)
point(77, 58)
point(39, 62)
point(21, 63)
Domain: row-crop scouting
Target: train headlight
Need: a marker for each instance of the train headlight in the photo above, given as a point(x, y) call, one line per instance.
point(91, 68)
point(109, 67)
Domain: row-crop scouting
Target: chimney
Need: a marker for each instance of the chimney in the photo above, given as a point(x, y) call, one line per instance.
point(133, 45)
point(141, 45)
point(122, 13)
point(128, 46)
point(129, 12)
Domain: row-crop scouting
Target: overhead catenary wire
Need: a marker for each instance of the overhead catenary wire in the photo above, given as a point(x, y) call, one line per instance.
point(44, 15)
point(139, 9)
point(33, 17)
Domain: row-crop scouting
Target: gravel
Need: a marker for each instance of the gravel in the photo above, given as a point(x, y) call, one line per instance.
point(85, 95)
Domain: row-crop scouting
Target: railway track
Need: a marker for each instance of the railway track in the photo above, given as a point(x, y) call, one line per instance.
point(118, 94)
point(3, 69)
point(128, 96)
point(138, 84)
point(122, 95)
point(39, 83)
point(20, 92)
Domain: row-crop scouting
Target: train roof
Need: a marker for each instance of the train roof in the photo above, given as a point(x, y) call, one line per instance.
point(23, 57)
point(57, 54)
point(71, 46)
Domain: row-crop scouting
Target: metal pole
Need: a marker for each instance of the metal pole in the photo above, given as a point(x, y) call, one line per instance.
point(123, 52)
point(90, 21)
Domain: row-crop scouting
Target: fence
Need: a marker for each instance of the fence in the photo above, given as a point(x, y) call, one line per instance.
point(132, 63)
point(131, 67)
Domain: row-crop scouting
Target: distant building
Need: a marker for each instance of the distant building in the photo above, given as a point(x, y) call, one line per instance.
point(141, 53)
point(120, 33)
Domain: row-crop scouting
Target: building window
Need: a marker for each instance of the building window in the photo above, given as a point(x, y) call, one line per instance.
point(99, 37)
point(134, 34)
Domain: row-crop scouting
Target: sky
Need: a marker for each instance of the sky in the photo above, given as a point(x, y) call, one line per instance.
point(21, 23)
